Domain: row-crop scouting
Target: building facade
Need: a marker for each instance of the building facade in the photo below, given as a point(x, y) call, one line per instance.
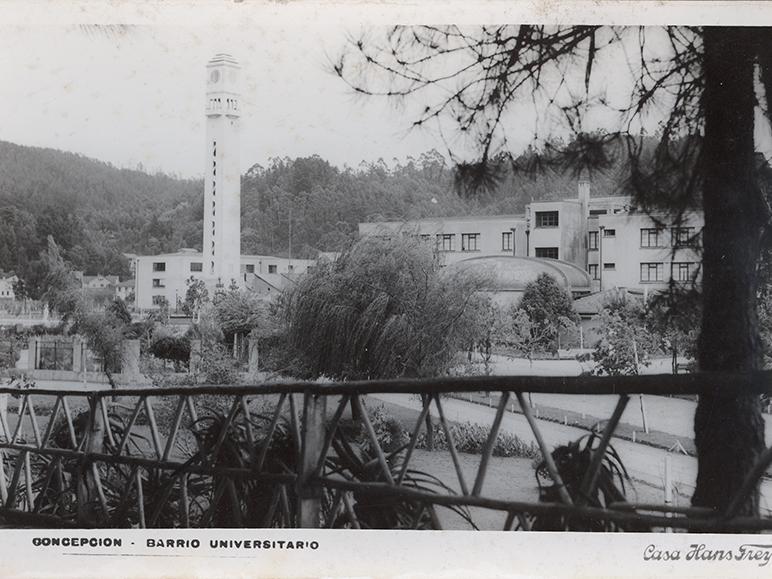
point(164, 278)
point(617, 245)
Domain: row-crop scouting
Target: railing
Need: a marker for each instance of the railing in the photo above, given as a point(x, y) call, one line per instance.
point(309, 455)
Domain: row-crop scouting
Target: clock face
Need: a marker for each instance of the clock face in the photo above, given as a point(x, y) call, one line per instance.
point(214, 76)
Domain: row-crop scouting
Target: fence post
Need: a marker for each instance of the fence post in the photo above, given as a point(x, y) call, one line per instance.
point(313, 435)
point(87, 489)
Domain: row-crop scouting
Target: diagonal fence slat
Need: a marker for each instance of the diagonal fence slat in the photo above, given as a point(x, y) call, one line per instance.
point(451, 445)
point(51, 421)
point(373, 439)
point(22, 412)
point(269, 433)
point(332, 428)
point(490, 443)
point(106, 418)
point(127, 430)
point(155, 435)
point(176, 421)
point(413, 441)
point(34, 421)
point(70, 424)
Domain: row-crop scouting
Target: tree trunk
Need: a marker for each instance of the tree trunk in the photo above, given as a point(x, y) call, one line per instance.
point(728, 426)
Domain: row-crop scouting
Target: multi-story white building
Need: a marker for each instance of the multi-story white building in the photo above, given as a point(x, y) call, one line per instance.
point(607, 237)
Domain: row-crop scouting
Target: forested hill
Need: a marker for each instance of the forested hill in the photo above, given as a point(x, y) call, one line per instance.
point(96, 212)
point(93, 210)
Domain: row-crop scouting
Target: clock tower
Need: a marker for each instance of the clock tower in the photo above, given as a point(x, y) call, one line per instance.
point(222, 175)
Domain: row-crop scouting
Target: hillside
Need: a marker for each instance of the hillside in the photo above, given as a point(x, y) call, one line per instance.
point(96, 212)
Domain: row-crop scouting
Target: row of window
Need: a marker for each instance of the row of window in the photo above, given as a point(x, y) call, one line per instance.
point(652, 237)
point(447, 241)
point(197, 266)
point(679, 237)
point(654, 271)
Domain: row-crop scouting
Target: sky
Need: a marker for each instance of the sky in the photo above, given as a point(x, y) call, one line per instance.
point(135, 95)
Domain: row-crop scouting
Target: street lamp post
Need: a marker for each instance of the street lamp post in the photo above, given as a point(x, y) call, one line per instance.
point(600, 257)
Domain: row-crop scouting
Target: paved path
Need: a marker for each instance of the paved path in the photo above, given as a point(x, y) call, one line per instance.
point(672, 415)
point(643, 462)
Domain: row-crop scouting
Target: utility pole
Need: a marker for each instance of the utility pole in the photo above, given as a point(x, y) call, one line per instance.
point(290, 235)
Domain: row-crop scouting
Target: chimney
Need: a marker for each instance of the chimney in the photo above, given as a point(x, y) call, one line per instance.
point(583, 192)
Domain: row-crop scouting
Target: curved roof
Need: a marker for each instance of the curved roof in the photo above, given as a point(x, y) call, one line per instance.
point(510, 273)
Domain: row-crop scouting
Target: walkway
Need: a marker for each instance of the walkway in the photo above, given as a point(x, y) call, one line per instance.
point(643, 462)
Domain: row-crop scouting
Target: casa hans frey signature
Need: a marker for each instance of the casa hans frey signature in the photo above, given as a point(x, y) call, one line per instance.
point(760, 554)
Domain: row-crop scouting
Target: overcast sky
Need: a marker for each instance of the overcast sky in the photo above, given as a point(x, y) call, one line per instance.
point(137, 95)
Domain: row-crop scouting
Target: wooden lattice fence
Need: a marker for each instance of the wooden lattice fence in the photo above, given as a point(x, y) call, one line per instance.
point(287, 455)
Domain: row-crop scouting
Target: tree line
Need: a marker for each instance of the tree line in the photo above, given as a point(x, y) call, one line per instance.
point(96, 212)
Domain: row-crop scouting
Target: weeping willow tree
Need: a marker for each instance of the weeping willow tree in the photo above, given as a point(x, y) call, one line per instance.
point(702, 92)
point(383, 309)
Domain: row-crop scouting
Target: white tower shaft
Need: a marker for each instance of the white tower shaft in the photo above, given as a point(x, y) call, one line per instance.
point(222, 176)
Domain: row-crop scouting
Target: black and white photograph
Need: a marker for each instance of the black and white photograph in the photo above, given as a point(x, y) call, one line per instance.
point(274, 269)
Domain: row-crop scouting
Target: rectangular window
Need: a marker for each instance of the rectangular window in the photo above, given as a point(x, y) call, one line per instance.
point(196, 266)
point(546, 219)
point(271, 269)
point(683, 271)
point(650, 237)
point(158, 283)
point(651, 272)
point(593, 241)
point(469, 241)
point(425, 237)
point(609, 233)
point(683, 236)
point(159, 300)
point(506, 241)
point(609, 266)
point(598, 211)
point(548, 252)
point(159, 266)
point(250, 268)
point(445, 241)
point(592, 269)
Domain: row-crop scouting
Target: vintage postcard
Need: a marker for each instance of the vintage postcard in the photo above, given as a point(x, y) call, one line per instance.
point(296, 289)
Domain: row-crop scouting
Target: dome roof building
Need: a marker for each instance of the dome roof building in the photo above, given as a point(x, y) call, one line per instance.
point(507, 276)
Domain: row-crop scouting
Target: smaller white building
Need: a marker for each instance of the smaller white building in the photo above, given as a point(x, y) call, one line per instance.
point(164, 278)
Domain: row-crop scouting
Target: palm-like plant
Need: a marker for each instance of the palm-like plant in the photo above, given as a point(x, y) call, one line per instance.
point(573, 462)
point(355, 459)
